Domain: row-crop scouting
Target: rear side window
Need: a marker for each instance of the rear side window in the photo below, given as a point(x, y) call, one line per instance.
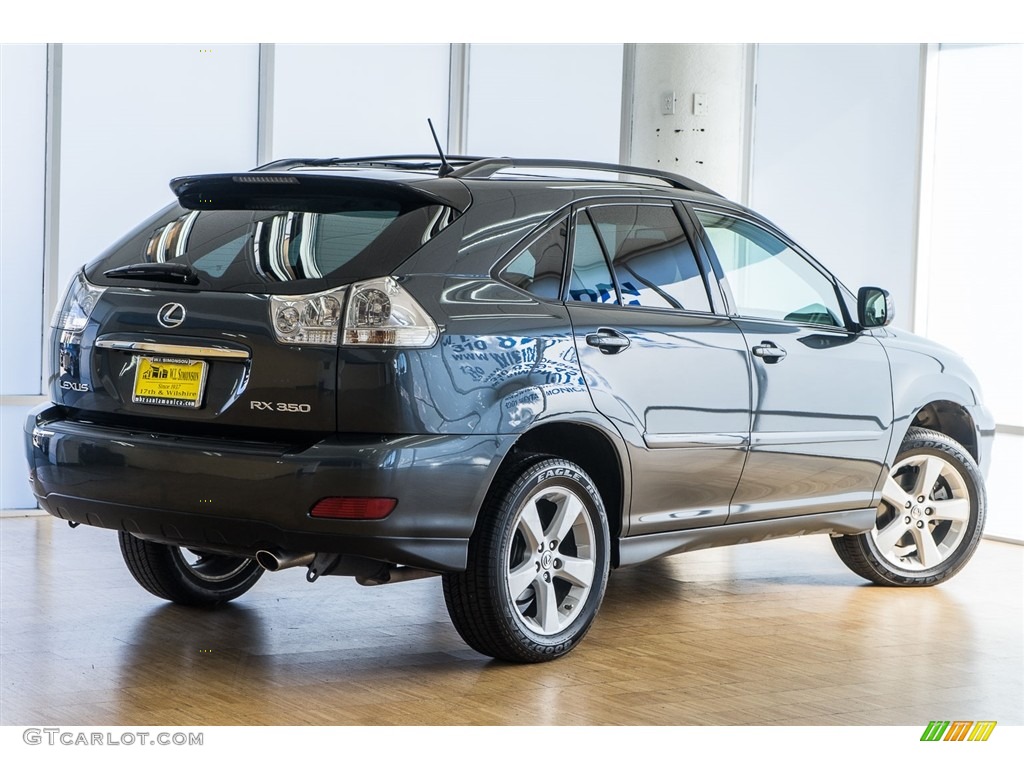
point(538, 269)
point(284, 251)
point(590, 279)
point(653, 260)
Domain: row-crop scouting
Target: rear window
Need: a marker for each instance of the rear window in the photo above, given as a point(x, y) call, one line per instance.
point(280, 252)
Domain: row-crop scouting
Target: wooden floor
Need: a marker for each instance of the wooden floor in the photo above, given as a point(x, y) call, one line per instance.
point(771, 633)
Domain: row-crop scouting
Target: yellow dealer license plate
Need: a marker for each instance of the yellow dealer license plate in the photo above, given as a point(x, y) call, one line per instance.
point(169, 381)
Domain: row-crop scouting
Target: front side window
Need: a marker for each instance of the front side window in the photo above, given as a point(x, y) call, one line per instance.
point(765, 277)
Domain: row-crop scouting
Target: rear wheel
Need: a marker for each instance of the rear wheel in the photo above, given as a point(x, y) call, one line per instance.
point(188, 576)
point(930, 520)
point(537, 567)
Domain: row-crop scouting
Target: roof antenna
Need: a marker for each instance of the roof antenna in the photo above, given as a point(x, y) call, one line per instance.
point(446, 167)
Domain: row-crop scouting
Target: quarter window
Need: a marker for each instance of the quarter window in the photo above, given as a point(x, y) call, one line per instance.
point(766, 278)
point(538, 269)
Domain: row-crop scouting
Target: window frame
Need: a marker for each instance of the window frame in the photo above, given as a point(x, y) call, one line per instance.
point(848, 325)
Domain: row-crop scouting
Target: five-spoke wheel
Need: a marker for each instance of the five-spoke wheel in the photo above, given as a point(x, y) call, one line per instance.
point(551, 560)
point(537, 567)
point(925, 512)
point(930, 518)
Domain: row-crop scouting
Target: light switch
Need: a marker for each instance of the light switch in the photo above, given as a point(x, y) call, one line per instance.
point(700, 103)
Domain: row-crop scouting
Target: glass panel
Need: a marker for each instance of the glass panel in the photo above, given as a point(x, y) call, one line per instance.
point(247, 250)
point(591, 279)
point(653, 260)
point(538, 269)
point(766, 277)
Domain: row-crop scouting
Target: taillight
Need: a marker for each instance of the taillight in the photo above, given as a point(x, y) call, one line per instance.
point(381, 313)
point(80, 299)
point(353, 508)
point(378, 313)
point(310, 319)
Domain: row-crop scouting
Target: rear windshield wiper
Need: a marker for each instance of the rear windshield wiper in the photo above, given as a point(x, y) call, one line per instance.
point(164, 272)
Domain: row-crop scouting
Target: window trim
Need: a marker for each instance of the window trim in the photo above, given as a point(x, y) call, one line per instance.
point(847, 326)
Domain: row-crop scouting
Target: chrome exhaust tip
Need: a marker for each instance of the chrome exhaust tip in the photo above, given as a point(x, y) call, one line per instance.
point(278, 561)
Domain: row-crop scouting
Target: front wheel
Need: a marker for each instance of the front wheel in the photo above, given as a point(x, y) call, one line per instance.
point(930, 520)
point(186, 576)
point(537, 566)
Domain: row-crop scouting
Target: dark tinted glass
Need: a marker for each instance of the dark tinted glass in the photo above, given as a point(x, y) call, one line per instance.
point(288, 251)
point(538, 269)
point(590, 280)
point(652, 257)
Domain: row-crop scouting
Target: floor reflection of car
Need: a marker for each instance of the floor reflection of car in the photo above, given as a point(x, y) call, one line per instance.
point(516, 374)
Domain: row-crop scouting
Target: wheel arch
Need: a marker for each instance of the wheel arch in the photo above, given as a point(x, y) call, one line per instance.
point(949, 415)
point(951, 419)
point(936, 390)
point(600, 453)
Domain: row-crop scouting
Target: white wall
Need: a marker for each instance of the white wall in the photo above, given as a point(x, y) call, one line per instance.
point(22, 154)
point(709, 148)
point(135, 116)
point(22, 320)
point(972, 272)
point(1005, 517)
point(835, 157)
point(352, 100)
point(545, 101)
point(972, 264)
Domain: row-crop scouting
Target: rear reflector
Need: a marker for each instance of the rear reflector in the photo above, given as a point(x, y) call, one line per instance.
point(353, 508)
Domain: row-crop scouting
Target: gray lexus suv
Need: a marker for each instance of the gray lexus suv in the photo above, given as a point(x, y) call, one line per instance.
point(516, 374)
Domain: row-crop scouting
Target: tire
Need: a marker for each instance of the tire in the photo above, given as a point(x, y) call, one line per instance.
point(188, 577)
point(537, 565)
point(930, 520)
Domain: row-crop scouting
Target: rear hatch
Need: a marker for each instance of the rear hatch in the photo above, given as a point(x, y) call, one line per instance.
point(223, 311)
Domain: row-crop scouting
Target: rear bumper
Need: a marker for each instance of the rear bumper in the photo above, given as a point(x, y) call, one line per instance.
point(241, 497)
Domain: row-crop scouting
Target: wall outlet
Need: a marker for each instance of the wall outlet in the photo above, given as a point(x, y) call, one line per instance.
point(700, 103)
point(668, 102)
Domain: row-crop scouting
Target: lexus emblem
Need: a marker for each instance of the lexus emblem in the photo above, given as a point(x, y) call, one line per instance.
point(171, 315)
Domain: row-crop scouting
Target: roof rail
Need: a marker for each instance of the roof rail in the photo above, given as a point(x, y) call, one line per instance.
point(485, 168)
point(375, 161)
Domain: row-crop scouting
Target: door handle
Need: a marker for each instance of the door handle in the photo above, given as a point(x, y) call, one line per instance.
point(769, 352)
point(608, 340)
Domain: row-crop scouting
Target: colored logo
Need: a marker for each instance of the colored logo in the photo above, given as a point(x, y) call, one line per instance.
point(958, 730)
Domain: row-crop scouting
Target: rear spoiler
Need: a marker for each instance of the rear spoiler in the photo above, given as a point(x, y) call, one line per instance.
point(291, 191)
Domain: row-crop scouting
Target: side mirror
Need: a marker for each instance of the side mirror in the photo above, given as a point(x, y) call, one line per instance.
point(874, 307)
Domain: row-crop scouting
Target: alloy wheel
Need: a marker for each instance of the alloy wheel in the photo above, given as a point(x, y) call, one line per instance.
point(551, 561)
